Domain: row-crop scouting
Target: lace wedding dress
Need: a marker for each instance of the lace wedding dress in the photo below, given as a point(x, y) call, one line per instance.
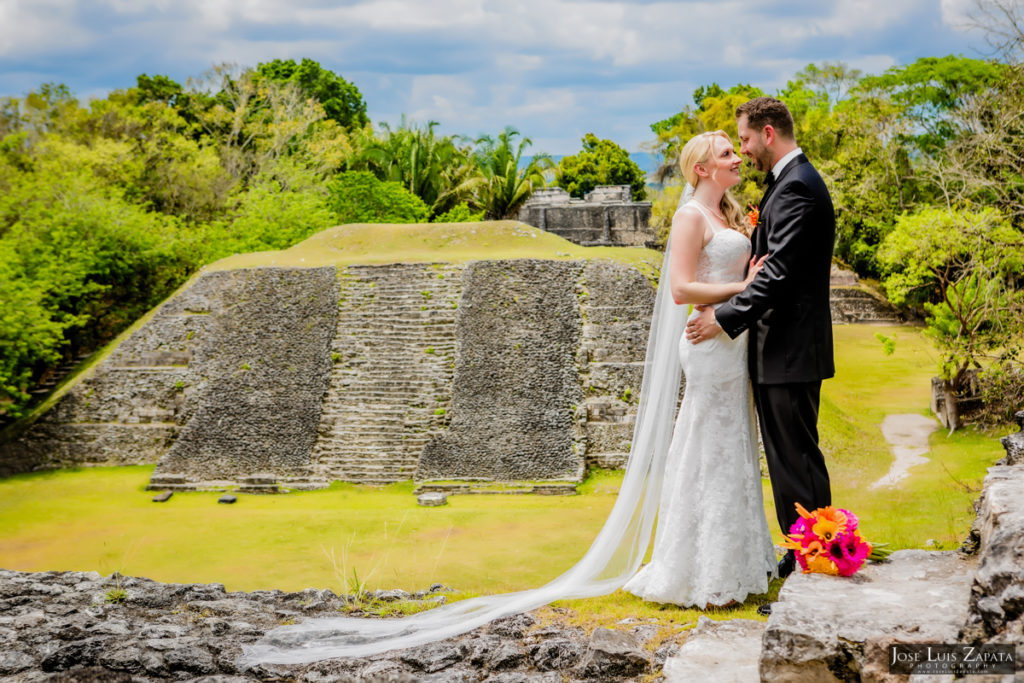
point(712, 543)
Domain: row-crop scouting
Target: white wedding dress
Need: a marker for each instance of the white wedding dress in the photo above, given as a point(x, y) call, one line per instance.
point(712, 543)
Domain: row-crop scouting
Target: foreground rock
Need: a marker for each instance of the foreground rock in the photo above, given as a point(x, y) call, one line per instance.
point(727, 649)
point(826, 628)
point(76, 626)
point(996, 612)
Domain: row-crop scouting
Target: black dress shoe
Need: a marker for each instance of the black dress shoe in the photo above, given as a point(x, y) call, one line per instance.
point(787, 564)
point(765, 609)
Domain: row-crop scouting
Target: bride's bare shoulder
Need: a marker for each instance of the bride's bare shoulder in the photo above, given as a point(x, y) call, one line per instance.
point(688, 221)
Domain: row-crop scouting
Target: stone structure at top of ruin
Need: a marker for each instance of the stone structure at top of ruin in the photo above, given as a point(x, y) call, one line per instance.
point(605, 216)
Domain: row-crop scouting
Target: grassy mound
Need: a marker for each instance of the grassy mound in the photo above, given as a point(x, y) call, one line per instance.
point(432, 242)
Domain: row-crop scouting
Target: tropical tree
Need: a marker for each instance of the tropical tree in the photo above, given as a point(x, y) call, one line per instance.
point(435, 168)
point(360, 197)
point(601, 162)
point(342, 102)
point(507, 184)
point(965, 267)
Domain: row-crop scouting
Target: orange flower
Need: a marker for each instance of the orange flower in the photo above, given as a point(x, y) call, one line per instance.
point(830, 523)
point(816, 559)
point(753, 215)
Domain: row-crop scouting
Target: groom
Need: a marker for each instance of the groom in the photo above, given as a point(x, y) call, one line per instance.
point(786, 308)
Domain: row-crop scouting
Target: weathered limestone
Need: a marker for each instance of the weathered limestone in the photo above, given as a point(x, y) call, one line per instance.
point(826, 628)
point(606, 216)
point(615, 304)
point(393, 355)
point(130, 409)
point(77, 626)
point(1014, 443)
point(728, 651)
point(858, 305)
point(265, 378)
point(515, 390)
point(996, 613)
point(852, 303)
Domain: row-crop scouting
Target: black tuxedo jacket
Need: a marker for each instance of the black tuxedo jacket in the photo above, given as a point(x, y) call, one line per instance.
point(786, 307)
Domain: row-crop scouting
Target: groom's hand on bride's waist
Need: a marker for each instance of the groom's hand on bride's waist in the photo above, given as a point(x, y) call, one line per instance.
point(703, 326)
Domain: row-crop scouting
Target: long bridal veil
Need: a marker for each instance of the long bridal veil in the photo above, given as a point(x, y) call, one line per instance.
point(612, 559)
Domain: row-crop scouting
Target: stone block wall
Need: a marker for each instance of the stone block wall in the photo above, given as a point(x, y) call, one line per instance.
point(616, 305)
point(607, 216)
point(265, 373)
point(515, 388)
point(316, 375)
point(130, 408)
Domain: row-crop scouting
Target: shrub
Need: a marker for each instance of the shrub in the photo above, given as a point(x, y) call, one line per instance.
point(359, 197)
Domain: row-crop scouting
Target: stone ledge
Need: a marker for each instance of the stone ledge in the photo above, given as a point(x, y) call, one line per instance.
point(996, 611)
point(826, 628)
point(558, 488)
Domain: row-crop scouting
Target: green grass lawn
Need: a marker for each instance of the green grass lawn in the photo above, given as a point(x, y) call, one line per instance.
point(102, 518)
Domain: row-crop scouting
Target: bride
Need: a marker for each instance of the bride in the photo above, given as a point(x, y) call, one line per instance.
point(700, 480)
point(712, 546)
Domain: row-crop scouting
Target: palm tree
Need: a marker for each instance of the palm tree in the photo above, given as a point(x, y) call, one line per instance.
point(435, 168)
point(506, 186)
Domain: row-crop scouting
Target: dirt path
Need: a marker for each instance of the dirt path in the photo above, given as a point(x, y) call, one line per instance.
point(907, 435)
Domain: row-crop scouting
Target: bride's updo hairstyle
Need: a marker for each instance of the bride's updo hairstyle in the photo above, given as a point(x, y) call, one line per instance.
point(698, 151)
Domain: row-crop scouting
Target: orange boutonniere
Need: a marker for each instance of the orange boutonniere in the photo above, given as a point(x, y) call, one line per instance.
point(753, 215)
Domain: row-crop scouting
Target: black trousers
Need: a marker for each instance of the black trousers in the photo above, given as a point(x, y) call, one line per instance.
point(788, 414)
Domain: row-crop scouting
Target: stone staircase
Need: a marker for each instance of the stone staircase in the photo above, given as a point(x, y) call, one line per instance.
point(614, 338)
point(390, 387)
point(853, 304)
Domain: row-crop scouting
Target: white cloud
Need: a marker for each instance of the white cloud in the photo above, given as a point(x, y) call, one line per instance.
point(33, 27)
point(957, 13)
point(553, 68)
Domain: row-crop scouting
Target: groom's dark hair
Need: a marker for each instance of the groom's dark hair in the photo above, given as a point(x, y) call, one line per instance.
point(767, 111)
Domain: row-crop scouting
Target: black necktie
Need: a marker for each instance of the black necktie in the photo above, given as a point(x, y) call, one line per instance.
point(769, 180)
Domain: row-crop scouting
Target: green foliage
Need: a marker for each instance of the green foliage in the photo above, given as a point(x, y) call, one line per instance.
point(601, 162)
point(78, 262)
point(434, 168)
point(715, 110)
point(341, 100)
point(931, 88)
point(461, 213)
point(888, 343)
point(157, 88)
point(359, 197)
point(963, 266)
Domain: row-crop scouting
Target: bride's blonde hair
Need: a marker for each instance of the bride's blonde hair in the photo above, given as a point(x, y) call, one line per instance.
point(698, 151)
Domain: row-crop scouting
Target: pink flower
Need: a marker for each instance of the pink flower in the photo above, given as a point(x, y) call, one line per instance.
point(849, 551)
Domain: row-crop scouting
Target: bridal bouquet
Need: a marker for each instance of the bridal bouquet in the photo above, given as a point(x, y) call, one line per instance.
point(827, 541)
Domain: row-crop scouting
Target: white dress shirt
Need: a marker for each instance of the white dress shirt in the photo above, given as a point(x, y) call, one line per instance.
point(781, 163)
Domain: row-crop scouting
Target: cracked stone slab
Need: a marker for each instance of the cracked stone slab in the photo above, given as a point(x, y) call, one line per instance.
point(727, 649)
point(827, 628)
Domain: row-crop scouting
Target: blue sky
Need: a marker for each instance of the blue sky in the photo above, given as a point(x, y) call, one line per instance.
point(554, 69)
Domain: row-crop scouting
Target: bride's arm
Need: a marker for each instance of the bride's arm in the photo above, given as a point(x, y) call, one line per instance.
point(687, 239)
